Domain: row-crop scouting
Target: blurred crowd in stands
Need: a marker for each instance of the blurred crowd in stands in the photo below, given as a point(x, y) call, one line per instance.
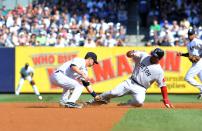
point(170, 20)
point(63, 23)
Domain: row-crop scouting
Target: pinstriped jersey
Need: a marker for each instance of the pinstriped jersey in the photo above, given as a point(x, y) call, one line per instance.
point(195, 47)
point(79, 62)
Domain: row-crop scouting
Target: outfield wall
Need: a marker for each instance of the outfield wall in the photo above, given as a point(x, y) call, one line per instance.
point(7, 70)
point(114, 67)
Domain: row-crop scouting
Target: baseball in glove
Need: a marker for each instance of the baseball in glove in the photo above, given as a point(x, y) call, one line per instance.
point(194, 58)
point(98, 100)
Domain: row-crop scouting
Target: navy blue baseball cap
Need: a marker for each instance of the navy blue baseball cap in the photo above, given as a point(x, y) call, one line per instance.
point(93, 56)
point(159, 53)
point(191, 32)
point(26, 65)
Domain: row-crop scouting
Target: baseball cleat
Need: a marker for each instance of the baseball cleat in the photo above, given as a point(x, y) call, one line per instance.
point(69, 105)
point(72, 105)
point(199, 96)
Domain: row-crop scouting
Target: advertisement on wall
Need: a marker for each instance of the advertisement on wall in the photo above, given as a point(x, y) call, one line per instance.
point(113, 68)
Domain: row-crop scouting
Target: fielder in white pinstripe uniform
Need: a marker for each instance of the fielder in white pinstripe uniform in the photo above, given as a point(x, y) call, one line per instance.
point(194, 48)
point(72, 76)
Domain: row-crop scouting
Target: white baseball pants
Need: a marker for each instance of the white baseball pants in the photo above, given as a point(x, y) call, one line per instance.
point(72, 89)
point(195, 70)
point(21, 82)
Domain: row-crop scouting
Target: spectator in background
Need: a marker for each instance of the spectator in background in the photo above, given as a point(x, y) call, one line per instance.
point(154, 32)
point(2, 40)
point(84, 22)
point(121, 34)
point(3, 10)
point(42, 38)
point(110, 41)
point(89, 43)
point(32, 40)
point(166, 38)
point(165, 25)
point(51, 39)
point(14, 39)
point(60, 42)
point(175, 27)
point(23, 39)
point(185, 12)
point(48, 24)
point(9, 20)
point(35, 29)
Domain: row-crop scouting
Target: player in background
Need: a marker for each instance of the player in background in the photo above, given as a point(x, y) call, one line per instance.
point(147, 70)
point(72, 76)
point(27, 73)
point(194, 48)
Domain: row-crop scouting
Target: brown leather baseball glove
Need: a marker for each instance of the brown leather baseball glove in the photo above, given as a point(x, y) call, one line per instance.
point(194, 58)
point(99, 99)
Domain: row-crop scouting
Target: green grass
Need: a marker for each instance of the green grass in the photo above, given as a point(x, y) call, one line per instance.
point(86, 97)
point(28, 98)
point(157, 97)
point(160, 120)
point(33, 98)
point(139, 119)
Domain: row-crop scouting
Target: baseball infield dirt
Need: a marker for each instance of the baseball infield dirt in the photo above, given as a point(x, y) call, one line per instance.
point(51, 117)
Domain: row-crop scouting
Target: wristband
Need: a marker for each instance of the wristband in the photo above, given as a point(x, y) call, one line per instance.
point(93, 94)
point(185, 54)
point(85, 83)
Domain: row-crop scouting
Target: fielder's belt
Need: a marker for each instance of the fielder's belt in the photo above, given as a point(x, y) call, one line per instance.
point(136, 82)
